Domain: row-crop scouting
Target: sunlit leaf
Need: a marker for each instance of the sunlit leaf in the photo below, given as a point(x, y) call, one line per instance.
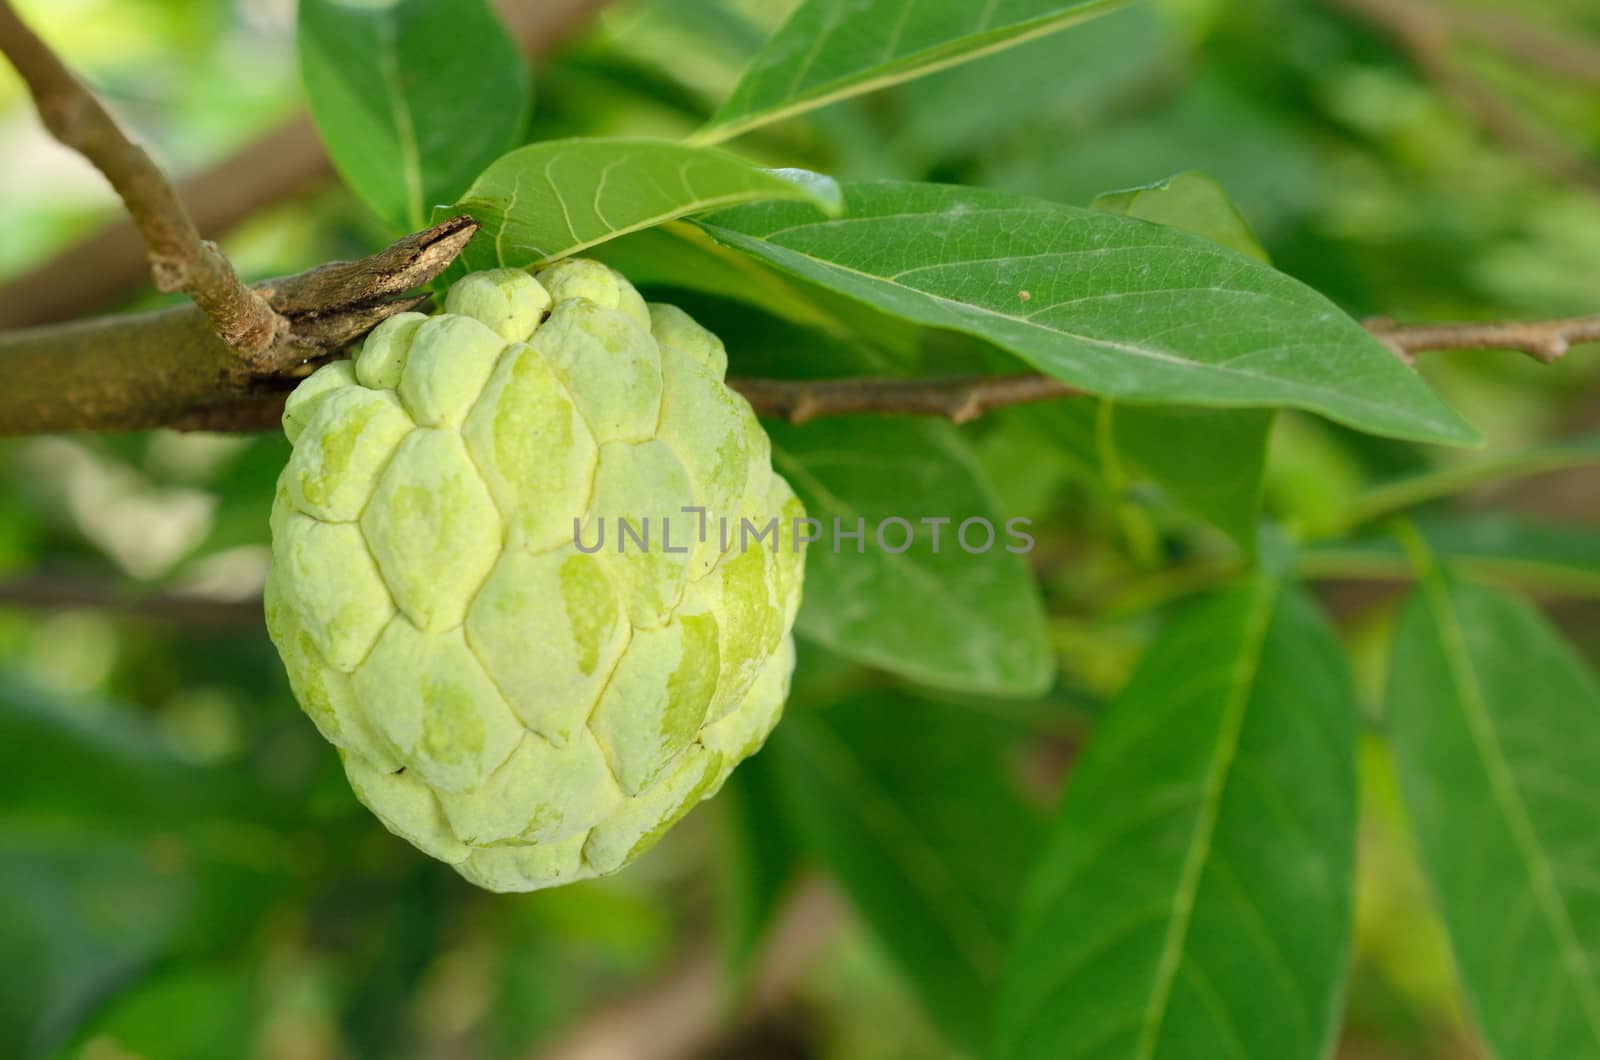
point(560, 197)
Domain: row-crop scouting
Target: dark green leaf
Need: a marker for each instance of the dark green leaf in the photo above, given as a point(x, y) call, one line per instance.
point(552, 199)
point(1496, 729)
point(934, 612)
point(1195, 899)
point(830, 50)
point(1119, 307)
point(912, 808)
point(412, 97)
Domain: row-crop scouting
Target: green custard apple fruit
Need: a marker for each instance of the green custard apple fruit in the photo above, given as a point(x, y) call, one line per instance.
point(533, 574)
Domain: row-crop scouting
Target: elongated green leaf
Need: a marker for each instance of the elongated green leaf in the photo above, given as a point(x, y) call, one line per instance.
point(912, 807)
point(412, 97)
point(1496, 729)
point(1119, 307)
point(948, 614)
point(548, 200)
point(1195, 899)
point(830, 50)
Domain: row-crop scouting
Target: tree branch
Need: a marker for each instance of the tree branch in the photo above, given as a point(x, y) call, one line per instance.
point(168, 368)
point(165, 369)
point(286, 161)
point(179, 259)
point(1546, 341)
point(957, 398)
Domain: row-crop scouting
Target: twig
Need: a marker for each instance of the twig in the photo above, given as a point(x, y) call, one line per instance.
point(286, 161)
point(959, 398)
point(966, 397)
point(165, 370)
point(1544, 340)
point(1425, 32)
point(179, 259)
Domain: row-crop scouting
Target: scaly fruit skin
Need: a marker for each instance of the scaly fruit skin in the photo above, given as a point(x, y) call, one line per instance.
point(525, 710)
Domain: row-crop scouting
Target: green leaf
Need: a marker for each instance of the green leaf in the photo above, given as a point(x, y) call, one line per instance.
point(830, 50)
point(412, 97)
point(928, 845)
point(1191, 201)
point(548, 200)
point(1195, 898)
point(1496, 729)
point(1119, 307)
point(935, 612)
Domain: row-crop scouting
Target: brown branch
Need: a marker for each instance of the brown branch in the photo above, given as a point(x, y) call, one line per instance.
point(1543, 340)
point(287, 161)
point(179, 259)
point(169, 368)
point(958, 398)
point(165, 370)
point(1426, 32)
point(965, 397)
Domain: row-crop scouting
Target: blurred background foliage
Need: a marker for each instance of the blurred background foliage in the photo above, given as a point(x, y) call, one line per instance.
point(183, 871)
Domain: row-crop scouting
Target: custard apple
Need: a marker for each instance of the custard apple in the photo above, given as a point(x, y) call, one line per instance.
point(505, 695)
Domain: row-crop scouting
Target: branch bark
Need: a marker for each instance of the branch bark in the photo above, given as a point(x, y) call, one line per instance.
point(179, 259)
point(286, 161)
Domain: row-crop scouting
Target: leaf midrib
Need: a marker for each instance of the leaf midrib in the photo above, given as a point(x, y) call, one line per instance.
point(1257, 620)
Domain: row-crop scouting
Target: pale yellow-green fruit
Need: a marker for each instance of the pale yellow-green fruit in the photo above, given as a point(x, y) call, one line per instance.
point(505, 697)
